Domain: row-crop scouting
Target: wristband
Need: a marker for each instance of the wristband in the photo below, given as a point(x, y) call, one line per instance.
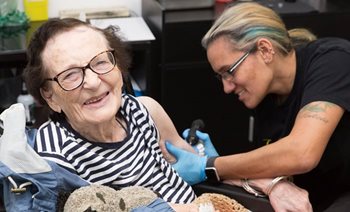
point(251, 190)
point(210, 171)
point(273, 183)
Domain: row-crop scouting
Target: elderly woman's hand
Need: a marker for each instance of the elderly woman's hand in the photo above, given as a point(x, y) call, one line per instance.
point(286, 196)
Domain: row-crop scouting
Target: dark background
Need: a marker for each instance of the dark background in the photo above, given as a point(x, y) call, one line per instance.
point(185, 84)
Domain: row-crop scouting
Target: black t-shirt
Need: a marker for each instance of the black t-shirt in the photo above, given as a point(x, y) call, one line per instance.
point(323, 74)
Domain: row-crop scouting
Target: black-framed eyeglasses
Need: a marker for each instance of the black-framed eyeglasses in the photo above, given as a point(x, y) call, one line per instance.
point(72, 78)
point(228, 74)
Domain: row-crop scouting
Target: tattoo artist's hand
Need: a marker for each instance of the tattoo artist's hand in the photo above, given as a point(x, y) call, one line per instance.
point(286, 196)
point(190, 166)
point(210, 150)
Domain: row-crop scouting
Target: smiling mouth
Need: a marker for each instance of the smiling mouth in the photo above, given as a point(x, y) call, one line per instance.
point(96, 99)
point(241, 92)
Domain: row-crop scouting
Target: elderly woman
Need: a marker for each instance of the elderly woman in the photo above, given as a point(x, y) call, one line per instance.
point(95, 130)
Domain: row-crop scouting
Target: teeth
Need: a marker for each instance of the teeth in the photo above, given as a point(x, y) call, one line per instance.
point(241, 92)
point(93, 100)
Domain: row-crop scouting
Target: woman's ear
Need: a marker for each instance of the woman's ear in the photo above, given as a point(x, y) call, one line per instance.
point(47, 94)
point(266, 50)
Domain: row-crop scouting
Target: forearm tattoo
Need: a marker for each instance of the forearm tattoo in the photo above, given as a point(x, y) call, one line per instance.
point(316, 110)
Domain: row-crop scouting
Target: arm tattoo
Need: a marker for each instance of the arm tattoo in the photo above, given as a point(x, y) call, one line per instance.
point(316, 110)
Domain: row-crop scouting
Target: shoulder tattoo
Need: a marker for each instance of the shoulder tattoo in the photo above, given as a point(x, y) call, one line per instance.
point(316, 110)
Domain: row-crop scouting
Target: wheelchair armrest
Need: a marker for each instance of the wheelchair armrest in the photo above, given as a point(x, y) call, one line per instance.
point(249, 201)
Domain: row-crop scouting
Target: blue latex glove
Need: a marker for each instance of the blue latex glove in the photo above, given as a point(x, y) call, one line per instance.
point(210, 150)
point(191, 167)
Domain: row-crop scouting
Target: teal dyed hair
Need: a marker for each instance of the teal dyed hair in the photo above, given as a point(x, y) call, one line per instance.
point(244, 23)
point(254, 32)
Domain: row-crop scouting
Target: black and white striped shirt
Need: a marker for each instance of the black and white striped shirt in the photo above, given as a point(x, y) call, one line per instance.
point(137, 160)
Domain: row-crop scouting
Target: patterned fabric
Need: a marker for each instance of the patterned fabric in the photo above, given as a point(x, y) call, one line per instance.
point(27, 181)
point(137, 160)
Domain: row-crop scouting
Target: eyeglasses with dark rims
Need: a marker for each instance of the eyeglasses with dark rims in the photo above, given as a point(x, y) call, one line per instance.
point(228, 74)
point(72, 78)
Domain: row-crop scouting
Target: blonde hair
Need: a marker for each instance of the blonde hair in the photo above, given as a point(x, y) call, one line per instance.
point(244, 23)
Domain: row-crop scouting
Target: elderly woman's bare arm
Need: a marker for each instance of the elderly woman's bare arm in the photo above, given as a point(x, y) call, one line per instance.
point(165, 126)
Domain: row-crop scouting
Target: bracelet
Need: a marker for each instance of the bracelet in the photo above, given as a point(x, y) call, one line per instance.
point(251, 190)
point(274, 183)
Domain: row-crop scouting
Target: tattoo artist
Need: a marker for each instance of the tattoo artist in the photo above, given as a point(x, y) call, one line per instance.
point(299, 88)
